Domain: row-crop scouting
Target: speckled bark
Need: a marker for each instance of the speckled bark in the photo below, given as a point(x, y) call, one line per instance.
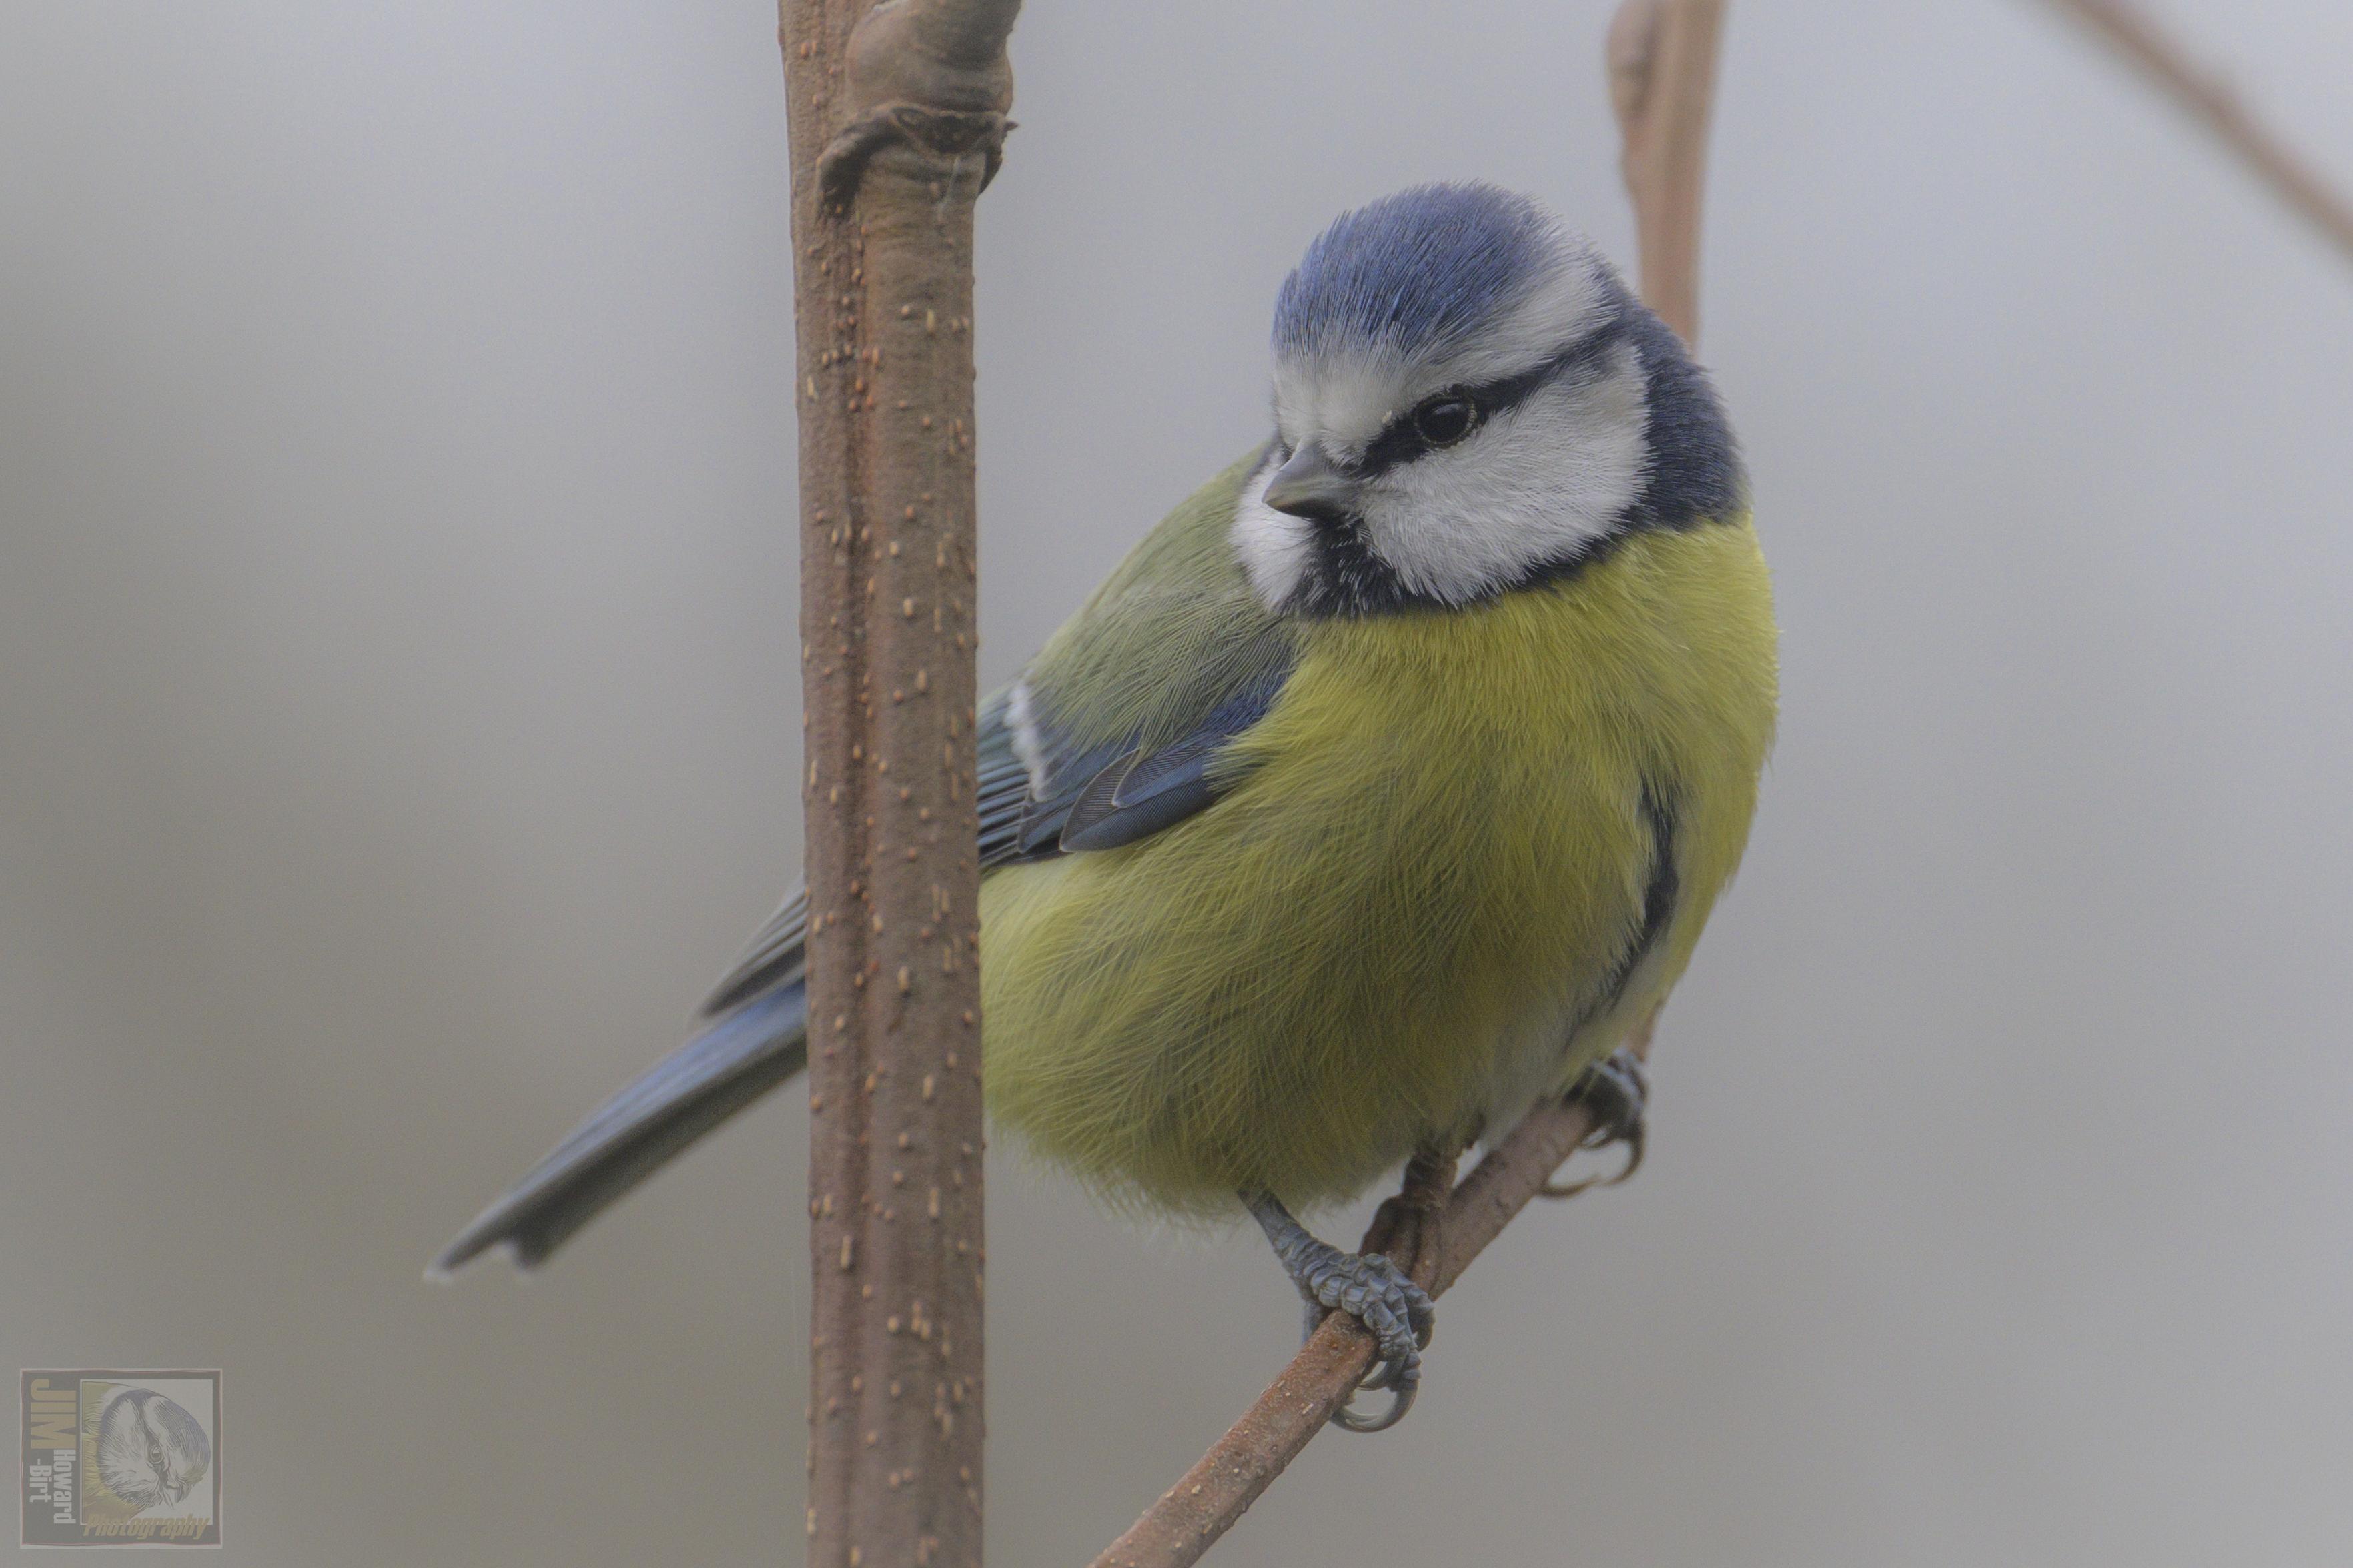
point(883, 261)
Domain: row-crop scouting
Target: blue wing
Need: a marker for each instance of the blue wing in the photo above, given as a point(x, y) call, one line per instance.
point(1115, 795)
point(1174, 644)
point(1043, 792)
point(1094, 798)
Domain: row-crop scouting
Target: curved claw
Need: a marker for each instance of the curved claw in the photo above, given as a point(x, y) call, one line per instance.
point(1381, 1373)
point(1384, 1301)
point(1379, 1295)
point(1348, 1420)
point(1620, 1092)
point(1384, 1375)
point(1395, 1311)
point(1384, 1372)
point(1634, 1144)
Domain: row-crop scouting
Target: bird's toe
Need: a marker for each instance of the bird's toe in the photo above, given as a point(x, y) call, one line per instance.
point(1399, 1314)
point(1618, 1092)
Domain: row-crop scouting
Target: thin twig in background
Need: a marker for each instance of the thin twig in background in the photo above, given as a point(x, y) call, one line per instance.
point(1662, 64)
point(897, 117)
point(2163, 60)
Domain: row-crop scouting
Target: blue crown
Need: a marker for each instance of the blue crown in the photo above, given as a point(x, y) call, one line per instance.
point(1415, 270)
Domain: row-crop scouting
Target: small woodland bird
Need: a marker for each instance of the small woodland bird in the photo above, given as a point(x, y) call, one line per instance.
point(1376, 795)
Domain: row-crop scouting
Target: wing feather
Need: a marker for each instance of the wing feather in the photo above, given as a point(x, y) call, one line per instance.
point(1117, 730)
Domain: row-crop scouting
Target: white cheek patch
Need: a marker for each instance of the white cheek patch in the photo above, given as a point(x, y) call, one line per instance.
point(1276, 549)
point(1534, 485)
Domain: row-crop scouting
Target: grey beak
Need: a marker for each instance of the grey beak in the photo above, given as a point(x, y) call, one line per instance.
point(1309, 486)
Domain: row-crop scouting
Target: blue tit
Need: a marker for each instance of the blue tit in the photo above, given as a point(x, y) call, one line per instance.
point(1374, 799)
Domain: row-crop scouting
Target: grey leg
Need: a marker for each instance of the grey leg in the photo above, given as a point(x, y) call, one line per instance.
point(1620, 1093)
point(1366, 1286)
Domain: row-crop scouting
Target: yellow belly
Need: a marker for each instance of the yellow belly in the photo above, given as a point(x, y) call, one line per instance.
point(1414, 913)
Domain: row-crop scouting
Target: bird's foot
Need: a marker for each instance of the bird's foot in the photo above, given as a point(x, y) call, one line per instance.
point(1370, 1288)
point(1619, 1093)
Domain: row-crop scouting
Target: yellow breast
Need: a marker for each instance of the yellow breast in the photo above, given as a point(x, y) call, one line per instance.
point(1417, 908)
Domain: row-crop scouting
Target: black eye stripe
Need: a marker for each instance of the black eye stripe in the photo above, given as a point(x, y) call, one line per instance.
point(1400, 442)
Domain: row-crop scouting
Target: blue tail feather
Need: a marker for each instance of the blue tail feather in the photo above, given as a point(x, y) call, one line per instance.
point(738, 1057)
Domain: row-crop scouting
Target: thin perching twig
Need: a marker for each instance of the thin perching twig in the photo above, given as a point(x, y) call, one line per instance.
point(1190, 1516)
point(2175, 71)
point(1661, 62)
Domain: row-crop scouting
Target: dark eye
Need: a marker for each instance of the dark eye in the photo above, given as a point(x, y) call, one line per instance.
point(1445, 419)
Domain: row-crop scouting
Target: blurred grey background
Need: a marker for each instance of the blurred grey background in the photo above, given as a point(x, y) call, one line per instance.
point(398, 724)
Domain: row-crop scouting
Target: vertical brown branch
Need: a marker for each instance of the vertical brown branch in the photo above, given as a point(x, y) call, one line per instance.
point(897, 118)
point(1662, 64)
point(2157, 55)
